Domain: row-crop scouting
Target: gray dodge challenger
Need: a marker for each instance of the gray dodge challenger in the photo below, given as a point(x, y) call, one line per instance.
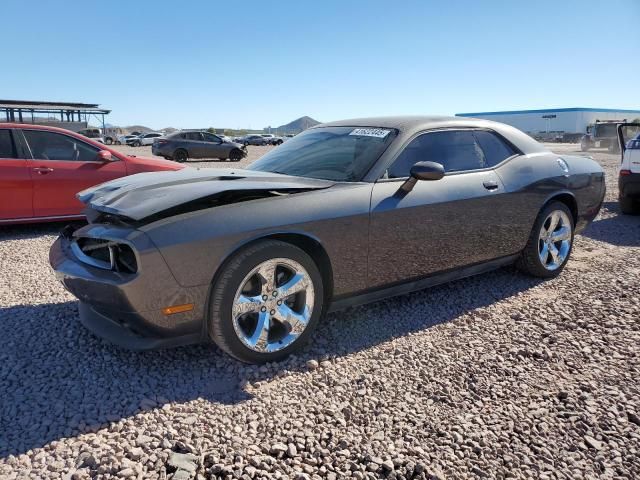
point(342, 214)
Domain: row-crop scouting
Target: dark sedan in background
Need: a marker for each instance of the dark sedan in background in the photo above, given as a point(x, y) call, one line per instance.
point(344, 213)
point(186, 144)
point(256, 140)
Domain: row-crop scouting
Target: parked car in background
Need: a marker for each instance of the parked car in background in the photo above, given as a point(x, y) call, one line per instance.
point(92, 133)
point(144, 139)
point(123, 139)
point(345, 213)
point(272, 139)
point(629, 171)
point(254, 140)
point(186, 144)
point(42, 168)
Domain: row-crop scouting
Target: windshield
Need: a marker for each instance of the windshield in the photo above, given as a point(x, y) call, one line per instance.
point(343, 154)
point(606, 130)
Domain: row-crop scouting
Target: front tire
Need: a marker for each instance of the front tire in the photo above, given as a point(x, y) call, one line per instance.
point(235, 155)
point(550, 242)
point(266, 303)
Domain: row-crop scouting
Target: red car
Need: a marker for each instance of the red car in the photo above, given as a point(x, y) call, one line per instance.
point(42, 168)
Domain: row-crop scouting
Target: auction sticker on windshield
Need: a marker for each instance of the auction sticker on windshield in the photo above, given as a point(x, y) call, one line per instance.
point(370, 132)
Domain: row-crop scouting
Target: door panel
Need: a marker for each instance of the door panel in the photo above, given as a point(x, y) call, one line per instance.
point(61, 167)
point(213, 147)
point(16, 189)
point(629, 140)
point(57, 182)
point(439, 225)
point(195, 145)
point(16, 186)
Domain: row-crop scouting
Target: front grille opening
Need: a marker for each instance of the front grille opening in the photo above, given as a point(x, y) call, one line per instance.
point(107, 254)
point(124, 258)
point(96, 249)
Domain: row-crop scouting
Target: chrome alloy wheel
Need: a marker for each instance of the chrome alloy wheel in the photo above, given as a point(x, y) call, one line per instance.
point(554, 241)
point(273, 305)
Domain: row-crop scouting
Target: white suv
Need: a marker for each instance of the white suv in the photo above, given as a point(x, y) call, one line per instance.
point(629, 172)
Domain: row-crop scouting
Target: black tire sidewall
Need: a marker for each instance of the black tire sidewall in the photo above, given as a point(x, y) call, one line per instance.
point(235, 156)
point(220, 323)
point(178, 158)
point(530, 261)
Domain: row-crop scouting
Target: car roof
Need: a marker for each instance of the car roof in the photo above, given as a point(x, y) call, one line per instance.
point(35, 126)
point(410, 125)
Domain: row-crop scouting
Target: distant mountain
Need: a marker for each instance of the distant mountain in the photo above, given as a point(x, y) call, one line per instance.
point(297, 125)
point(138, 128)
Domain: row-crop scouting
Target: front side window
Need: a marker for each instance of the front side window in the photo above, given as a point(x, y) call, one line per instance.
point(211, 138)
point(56, 146)
point(7, 149)
point(456, 150)
point(342, 154)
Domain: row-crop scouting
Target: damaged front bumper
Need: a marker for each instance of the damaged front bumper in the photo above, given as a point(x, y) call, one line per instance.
point(126, 308)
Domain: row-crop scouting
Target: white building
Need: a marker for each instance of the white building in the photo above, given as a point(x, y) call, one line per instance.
point(555, 120)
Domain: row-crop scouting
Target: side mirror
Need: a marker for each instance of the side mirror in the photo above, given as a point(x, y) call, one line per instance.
point(423, 171)
point(104, 156)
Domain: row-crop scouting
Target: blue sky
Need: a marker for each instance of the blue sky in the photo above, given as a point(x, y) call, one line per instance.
point(253, 64)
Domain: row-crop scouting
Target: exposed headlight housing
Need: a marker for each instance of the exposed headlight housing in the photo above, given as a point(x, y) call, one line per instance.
point(105, 254)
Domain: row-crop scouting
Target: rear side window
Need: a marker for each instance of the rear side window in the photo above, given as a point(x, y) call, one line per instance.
point(7, 149)
point(494, 148)
point(194, 136)
point(56, 146)
point(456, 150)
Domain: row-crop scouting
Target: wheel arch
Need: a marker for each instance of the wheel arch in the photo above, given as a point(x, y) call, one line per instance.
point(304, 241)
point(568, 199)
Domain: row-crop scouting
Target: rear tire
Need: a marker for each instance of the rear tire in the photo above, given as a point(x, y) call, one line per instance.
point(544, 231)
point(180, 155)
point(137, 144)
point(245, 319)
point(629, 206)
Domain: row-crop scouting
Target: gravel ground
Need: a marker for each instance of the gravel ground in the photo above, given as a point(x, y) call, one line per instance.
point(497, 376)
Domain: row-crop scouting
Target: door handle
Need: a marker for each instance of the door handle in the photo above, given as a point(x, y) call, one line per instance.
point(43, 170)
point(490, 185)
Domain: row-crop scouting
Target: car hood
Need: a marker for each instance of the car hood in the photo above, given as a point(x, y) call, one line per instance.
point(145, 164)
point(140, 196)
